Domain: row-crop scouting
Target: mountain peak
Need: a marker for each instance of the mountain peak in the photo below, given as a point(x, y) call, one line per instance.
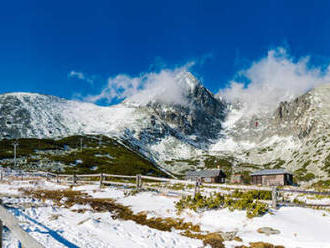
point(167, 89)
point(188, 80)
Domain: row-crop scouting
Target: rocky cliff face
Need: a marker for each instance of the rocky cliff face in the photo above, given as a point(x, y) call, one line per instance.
point(157, 130)
point(31, 115)
point(202, 115)
point(296, 135)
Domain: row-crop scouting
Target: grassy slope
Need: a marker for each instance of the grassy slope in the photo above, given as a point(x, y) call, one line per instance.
point(109, 157)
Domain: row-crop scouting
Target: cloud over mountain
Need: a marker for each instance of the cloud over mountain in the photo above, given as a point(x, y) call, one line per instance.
point(167, 86)
point(275, 78)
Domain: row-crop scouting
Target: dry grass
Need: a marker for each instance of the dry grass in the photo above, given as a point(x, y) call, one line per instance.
point(214, 240)
point(68, 198)
point(260, 245)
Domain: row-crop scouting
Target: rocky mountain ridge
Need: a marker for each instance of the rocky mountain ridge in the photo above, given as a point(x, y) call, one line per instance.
point(179, 136)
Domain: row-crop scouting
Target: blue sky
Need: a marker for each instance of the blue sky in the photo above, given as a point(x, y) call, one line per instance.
point(42, 42)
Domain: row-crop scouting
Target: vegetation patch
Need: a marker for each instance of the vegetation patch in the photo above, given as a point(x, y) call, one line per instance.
point(260, 245)
point(248, 201)
point(323, 184)
point(79, 154)
point(68, 198)
point(326, 166)
point(213, 162)
point(278, 164)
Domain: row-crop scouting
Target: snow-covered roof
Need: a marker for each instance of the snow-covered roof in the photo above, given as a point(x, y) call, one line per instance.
point(269, 172)
point(204, 173)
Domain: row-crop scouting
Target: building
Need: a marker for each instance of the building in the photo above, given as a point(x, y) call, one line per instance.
point(237, 178)
point(272, 177)
point(207, 176)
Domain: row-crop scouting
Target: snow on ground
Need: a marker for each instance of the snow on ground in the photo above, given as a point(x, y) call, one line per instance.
point(160, 205)
point(60, 227)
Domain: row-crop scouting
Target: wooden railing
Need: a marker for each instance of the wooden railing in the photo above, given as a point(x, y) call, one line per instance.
point(9, 220)
point(104, 178)
point(27, 241)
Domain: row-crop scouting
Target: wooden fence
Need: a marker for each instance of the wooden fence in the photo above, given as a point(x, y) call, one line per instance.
point(9, 220)
point(140, 178)
point(149, 182)
point(27, 241)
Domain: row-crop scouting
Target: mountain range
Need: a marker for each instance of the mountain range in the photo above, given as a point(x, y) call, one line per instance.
point(201, 130)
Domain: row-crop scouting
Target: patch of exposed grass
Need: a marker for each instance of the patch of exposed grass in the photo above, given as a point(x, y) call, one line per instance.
point(68, 198)
point(260, 245)
point(212, 162)
point(98, 154)
point(325, 184)
point(236, 201)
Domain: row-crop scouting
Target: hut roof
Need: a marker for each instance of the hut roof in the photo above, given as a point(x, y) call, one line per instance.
point(204, 173)
point(269, 172)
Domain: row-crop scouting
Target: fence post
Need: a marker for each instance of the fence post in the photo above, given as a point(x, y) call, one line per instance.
point(1, 177)
point(138, 181)
point(57, 178)
point(74, 178)
point(1, 230)
point(197, 187)
point(1, 227)
point(101, 179)
point(274, 197)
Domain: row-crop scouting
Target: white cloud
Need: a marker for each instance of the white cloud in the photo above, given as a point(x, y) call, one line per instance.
point(166, 86)
point(275, 78)
point(81, 76)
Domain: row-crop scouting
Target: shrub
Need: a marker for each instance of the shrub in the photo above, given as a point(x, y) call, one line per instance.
point(254, 194)
point(256, 209)
point(238, 201)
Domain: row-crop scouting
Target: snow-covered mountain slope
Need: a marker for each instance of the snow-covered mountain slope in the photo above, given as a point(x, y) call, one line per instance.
point(158, 131)
point(296, 135)
point(195, 131)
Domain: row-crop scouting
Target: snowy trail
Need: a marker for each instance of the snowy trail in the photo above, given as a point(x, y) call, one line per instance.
point(41, 228)
point(60, 227)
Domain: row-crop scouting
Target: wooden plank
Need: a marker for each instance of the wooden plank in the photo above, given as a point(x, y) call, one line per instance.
point(291, 204)
point(65, 175)
point(12, 223)
point(1, 231)
point(49, 173)
point(89, 175)
point(304, 191)
point(119, 183)
point(160, 179)
point(87, 181)
point(118, 176)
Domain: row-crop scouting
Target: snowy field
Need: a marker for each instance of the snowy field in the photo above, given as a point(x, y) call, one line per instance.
point(59, 226)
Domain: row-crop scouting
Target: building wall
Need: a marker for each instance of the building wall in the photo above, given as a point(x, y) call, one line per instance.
point(208, 179)
point(273, 180)
point(256, 179)
point(237, 178)
point(217, 179)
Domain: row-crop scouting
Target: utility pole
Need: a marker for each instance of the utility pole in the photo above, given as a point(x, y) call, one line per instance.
point(15, 147)
point(100, 141)
point(81, 143)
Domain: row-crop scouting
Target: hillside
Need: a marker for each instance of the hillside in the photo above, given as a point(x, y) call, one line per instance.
point(77, 154)
point(198, 131)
